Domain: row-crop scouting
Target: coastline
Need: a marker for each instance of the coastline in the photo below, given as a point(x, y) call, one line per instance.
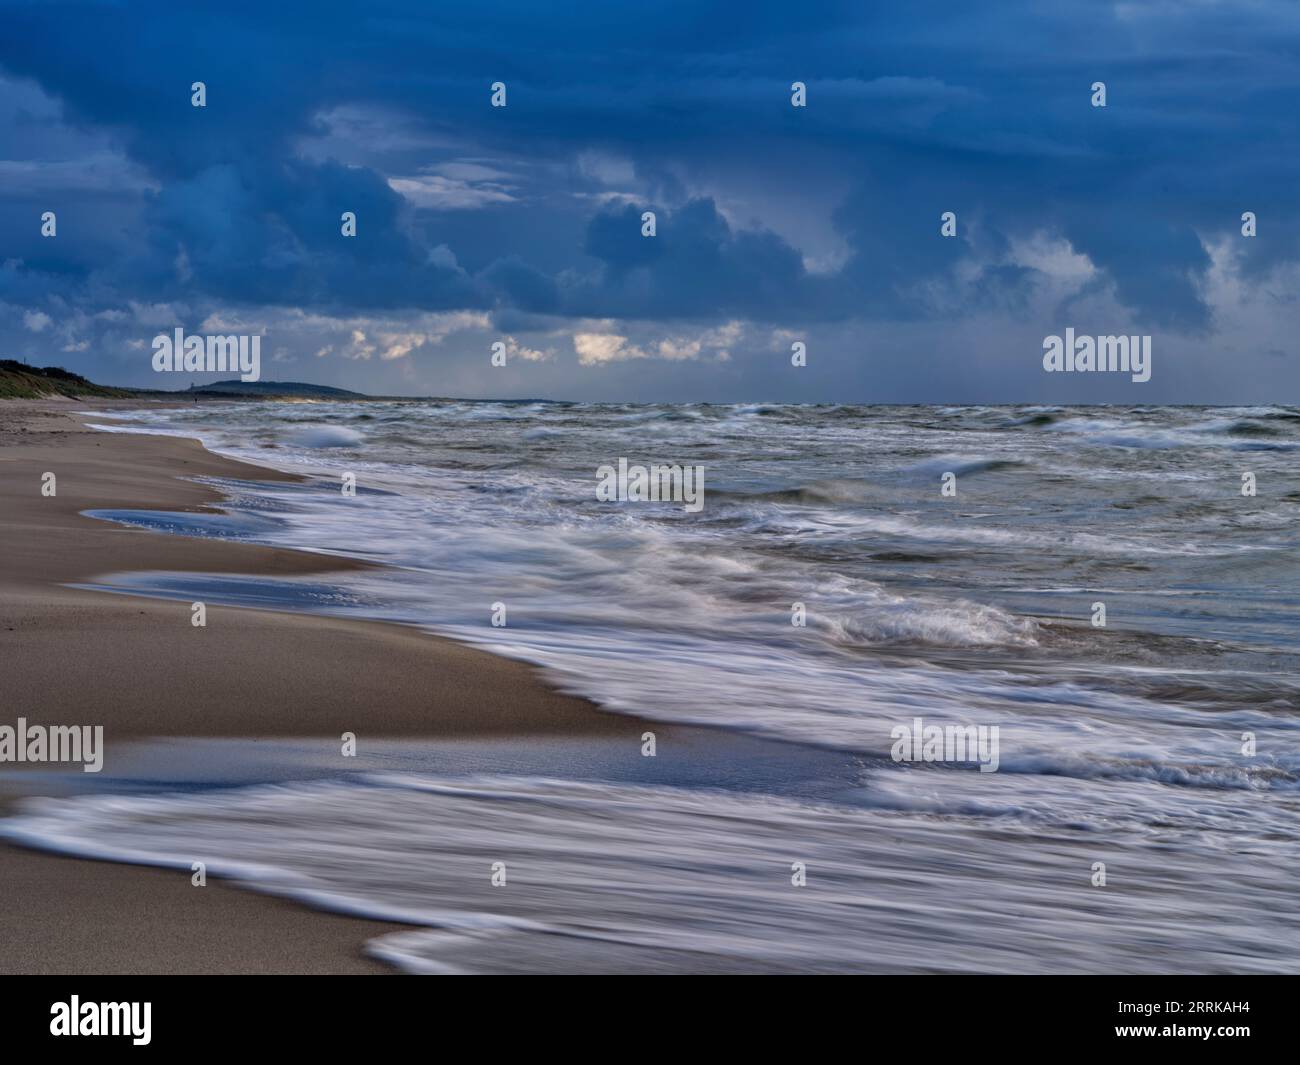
point(618, 862)
point(138, 667)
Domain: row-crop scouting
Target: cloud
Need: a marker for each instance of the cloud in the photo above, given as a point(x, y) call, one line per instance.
point(822, 221)
point(597, 349)
point(36, 321)
point(516, 350)
point(441, 193)
point(695, 266)
point(604, 347)
point(360, 348)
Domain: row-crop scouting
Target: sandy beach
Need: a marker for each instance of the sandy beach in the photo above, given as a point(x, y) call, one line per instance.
point(483, 492)
point(140, 668)
point(786, 836)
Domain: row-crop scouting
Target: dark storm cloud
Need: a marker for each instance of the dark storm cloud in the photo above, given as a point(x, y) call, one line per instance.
point(766, 213)
point(695, 266)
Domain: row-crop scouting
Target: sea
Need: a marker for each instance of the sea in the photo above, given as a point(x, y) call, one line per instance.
point(1115, 590)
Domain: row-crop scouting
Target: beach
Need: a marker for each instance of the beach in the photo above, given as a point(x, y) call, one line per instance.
point(493, 491)
point(137, 667)
point(600, 736)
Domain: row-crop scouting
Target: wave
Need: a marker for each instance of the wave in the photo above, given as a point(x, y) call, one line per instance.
point(1246, 427)
point(319, 436)
point(1034, 420)
point(601, 877)
point(959, 624)
point(1105, 432)
point(963, 467)
point(819, 598)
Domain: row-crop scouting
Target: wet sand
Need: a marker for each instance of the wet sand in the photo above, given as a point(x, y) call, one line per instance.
point(141, 669)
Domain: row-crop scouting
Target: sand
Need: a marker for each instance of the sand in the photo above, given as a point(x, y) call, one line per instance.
point(138, 667)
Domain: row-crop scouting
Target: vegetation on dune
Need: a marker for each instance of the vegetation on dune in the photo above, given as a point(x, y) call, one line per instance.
point(20, 381)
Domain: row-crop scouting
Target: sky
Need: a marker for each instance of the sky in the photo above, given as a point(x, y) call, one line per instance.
point(522, 225)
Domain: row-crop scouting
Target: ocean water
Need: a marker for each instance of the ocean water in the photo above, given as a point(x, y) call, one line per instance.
point(1120, 744)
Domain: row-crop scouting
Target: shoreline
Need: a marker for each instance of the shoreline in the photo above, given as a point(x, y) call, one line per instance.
point(319, 669)
point(138, 667)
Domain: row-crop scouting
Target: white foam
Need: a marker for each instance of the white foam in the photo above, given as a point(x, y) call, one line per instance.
point(602, 877)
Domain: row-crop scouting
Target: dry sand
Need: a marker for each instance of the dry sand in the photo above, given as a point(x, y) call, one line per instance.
point(140, 668)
